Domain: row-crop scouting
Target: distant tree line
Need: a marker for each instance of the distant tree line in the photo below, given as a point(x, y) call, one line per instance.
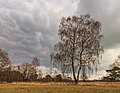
point(26, 72)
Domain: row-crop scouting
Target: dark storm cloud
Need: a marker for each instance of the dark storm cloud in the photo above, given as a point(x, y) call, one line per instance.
point(19, 28)
point(28, 28)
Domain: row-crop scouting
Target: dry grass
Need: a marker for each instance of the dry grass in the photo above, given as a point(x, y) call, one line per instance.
point(90, 87)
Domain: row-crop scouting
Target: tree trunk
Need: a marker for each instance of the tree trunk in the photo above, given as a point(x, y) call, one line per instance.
point(73, 54)
point(75, 79)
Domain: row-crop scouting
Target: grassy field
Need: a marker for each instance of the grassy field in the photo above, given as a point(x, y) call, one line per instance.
point(60, 88)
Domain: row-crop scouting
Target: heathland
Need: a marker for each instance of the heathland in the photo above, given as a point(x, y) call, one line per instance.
point(91, 87)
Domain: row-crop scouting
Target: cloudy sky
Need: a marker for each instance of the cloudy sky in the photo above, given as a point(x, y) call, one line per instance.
point(29, 28)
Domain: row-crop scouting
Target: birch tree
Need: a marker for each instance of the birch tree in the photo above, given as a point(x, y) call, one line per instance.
point(79, 45)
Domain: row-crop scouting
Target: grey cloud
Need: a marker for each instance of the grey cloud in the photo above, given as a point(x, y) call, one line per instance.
point(106, 11)
point(29, 27)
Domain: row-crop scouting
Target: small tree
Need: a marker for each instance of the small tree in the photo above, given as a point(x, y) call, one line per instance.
point(80, 45)
point(114, 71)
point(4, 60)
point(5, 65)
point(27, 70)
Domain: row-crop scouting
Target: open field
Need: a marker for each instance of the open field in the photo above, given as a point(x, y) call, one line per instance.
point(92, 87)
